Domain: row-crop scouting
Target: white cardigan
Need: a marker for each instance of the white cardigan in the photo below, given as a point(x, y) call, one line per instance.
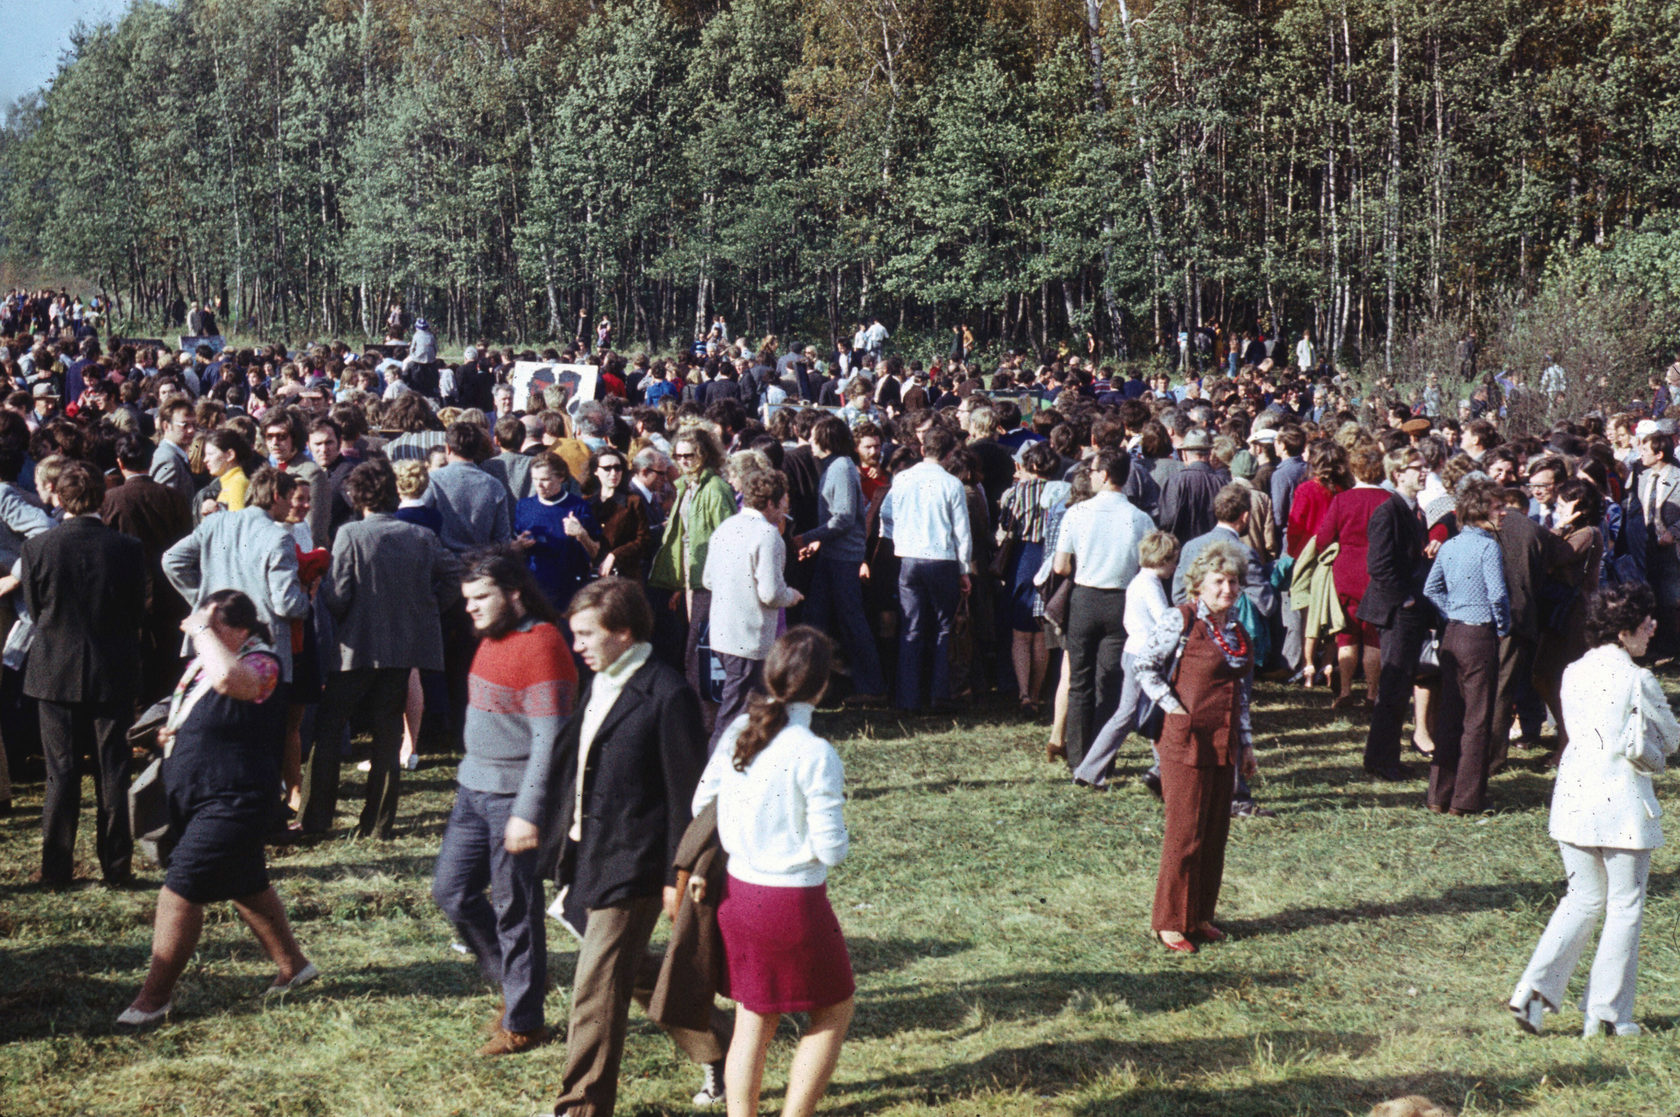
point(1600, 798)
point(780, 820)
point(744, 562)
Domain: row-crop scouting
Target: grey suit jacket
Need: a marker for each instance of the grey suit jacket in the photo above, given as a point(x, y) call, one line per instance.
point(170, 467)
point(388, 585)
point(249, 552)
point(476, 508)
point(512, 469)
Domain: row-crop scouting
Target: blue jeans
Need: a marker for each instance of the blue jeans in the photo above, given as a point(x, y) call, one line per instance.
point(928, 592)
point(836, 591)
point(505, 931)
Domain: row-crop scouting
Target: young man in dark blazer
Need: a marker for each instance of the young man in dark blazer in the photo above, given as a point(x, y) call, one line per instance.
point(1394, 602)
point(625, 768)
point(85, 585)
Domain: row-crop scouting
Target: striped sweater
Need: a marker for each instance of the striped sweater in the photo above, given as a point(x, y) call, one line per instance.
point(522, 688)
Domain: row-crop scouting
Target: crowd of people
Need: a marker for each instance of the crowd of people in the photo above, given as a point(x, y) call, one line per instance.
point(621, 611)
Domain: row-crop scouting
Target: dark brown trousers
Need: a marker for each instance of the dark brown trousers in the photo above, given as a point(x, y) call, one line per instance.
point(1458, 773)
point(1197, 804)
point(614, 965)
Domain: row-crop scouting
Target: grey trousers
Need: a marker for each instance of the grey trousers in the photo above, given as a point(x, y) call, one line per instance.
point(1294, 637)
point(1098, 763)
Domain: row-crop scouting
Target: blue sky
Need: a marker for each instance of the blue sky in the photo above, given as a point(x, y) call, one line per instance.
point(33, 33)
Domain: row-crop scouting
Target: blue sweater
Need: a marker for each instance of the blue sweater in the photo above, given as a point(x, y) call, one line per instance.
point(558, 561)
point(840, 511)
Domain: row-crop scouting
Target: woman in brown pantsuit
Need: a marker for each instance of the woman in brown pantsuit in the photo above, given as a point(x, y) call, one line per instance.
point(1205, 737)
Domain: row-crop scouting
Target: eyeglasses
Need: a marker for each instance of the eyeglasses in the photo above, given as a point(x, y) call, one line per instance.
point(684, 457)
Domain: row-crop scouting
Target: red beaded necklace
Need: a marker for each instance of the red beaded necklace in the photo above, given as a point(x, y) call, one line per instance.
point(1219, 638)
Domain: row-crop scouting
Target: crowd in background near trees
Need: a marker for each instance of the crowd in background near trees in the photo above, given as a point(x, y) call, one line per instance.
point(621, 605)
point(1046, 169)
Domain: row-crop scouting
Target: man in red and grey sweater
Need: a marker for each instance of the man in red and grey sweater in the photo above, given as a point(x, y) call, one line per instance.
point(522, 687)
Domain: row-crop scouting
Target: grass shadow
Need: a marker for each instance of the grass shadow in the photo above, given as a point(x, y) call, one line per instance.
point(1063, 1067)
point(968, 1006)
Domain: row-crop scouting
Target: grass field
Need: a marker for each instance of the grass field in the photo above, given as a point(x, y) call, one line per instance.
point(998, 922)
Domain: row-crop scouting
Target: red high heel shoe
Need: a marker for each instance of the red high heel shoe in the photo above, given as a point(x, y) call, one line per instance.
point(1182, 946)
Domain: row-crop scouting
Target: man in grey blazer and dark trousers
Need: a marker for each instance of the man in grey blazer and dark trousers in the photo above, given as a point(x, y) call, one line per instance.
point(176, 428)
point(250, 551)
point(387, 586)
point(85, 585)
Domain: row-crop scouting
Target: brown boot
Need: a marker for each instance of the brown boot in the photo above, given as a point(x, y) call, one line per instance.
point(494, 1024)
point(505, 1042)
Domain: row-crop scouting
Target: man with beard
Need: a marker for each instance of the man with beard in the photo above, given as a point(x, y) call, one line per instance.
point(523, 686)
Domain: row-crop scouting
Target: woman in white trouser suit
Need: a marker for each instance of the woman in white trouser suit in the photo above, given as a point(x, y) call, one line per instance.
point(1604, 818)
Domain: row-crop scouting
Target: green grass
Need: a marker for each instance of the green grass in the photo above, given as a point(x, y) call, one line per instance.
point(998, 922)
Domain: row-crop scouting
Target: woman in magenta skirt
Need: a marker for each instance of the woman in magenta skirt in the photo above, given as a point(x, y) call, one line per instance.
point(779, 790)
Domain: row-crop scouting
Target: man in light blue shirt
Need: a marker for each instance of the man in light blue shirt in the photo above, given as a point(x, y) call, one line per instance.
point(925, 514)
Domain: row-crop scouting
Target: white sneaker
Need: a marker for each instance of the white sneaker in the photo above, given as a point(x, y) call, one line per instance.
point(711, 1087)
point(1606, 1028)
point(412, 764)
point(365, 766)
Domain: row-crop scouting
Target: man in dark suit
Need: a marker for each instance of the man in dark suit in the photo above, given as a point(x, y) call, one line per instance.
point(159, 517)
point(1394, 602)
point(388, 585)
point(625, 767)
point(85, 585)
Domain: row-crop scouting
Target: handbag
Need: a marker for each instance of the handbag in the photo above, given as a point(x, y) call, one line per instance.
point(1003, 558)
point(1058, 595)
point(1153, 720)
point(1429, 658)
point(148, 814)
point(143, 734)
point(1641, 744)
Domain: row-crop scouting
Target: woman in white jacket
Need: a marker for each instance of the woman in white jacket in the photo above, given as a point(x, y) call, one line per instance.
point(1604, 818)
point(779, 790)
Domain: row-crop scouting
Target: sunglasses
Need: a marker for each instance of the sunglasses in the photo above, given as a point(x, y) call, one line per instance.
point(610, 467)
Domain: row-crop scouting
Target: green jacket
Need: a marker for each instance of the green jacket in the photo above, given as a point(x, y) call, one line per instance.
point(691, 533)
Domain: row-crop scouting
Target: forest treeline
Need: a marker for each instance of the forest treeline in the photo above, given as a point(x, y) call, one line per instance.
point(1039, 169)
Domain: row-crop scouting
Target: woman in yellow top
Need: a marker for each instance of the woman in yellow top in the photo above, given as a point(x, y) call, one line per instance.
point(223, 451)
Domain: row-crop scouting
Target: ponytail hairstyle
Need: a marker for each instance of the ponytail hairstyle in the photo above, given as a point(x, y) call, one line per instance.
point(797, 671)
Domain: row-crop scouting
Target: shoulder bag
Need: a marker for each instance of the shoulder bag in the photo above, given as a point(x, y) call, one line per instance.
point(1641, 744)
point(1153, 719)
